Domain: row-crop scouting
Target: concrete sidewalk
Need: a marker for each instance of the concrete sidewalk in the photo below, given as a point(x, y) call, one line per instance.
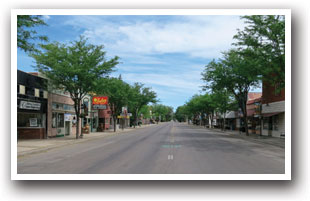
point(32, 146)
point(279, 142)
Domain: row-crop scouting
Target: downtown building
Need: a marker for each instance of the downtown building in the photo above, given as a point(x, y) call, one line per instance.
point(32, 112)
point(273, 110)
point(44, 112)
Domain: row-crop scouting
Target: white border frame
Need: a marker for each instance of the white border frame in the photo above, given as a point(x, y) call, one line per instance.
point(286, 176)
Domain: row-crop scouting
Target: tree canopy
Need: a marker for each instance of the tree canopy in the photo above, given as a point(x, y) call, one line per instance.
point(118, 93)
point(74, 68)
point(26, 35)
point(264, 37)
point(140, 96)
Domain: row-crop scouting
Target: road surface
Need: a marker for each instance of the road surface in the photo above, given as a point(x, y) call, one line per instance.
point(167, 148)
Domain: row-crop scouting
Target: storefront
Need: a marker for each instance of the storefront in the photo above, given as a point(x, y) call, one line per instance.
point(31, 106)
point(61, 114)
point(63, 119)
point(90, 120)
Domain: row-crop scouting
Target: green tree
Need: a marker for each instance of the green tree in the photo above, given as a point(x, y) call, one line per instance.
point(181, 114)
point(264, 36)
point(25, 34)
point(118, 92)
point(162, 112)
point(139, 96)
point(145, 111)
point(237, 72)
point(74, 68)
point(223, 102)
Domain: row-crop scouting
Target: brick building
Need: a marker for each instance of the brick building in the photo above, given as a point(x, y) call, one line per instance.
point(273, 110)
point(61, 114)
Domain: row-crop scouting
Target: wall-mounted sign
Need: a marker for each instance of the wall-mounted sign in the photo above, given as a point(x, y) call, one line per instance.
point(67, 117)
point(102, 107)
point(29, 105)
point(100, 102)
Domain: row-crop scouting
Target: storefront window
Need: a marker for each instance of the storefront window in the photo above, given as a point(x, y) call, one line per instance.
point(275, 122)
point(54, 118)
point(94, 123)
point(266, 122)
point(29, 120)
point(57, 106)
point(60, 120)
point(68, 107)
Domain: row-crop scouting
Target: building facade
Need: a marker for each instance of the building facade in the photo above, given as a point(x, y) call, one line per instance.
point(31, 106)
point(61, 115)
point(273, 110)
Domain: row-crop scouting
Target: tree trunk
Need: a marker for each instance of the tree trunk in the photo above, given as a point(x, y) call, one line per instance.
point(114, 119)
point(224, 121)
point(77, 113)
point(77, 126)
point(245, 118)
point(246, 124)
point(209, 121)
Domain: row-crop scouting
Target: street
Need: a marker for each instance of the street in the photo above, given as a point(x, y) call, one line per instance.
point(166, 148)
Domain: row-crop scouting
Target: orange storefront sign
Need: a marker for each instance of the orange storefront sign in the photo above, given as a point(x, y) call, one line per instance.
point(100, 100)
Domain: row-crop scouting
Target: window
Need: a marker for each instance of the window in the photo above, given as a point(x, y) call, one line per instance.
point(276, 122)
point(21, 89)
point(57, 106)
point(94, 123)
point(29, 120)
point(44, 94)
point(68, 107)
point(60, 120)
point(36, 92)
point(265, 123)
point(17, 89)
point(54, 119)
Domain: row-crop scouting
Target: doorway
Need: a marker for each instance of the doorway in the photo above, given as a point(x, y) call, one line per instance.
point(67, 127)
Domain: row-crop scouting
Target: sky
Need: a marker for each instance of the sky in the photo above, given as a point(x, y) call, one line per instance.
point(166, 53)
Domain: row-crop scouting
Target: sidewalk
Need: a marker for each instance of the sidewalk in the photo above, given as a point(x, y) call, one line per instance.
point(275, 141)
point(32, 146)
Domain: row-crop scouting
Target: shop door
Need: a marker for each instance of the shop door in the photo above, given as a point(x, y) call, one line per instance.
point(67, 127)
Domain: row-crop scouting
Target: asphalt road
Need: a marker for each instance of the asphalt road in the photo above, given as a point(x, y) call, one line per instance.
point(167, 148)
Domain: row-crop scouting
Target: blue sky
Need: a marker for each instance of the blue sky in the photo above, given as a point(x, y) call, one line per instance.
point(167, 53)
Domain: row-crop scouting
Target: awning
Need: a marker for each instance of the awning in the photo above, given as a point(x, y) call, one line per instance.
point(270, 114)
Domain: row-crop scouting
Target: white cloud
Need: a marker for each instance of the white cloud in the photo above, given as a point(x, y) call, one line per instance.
point(175, 78)
point(197, 36)
point(171, 82)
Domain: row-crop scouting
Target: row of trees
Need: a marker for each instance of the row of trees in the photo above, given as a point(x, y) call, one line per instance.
point(80, 68)
point(257, 55)
point(121, 94)
point(201, 108)
point(157, 112)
